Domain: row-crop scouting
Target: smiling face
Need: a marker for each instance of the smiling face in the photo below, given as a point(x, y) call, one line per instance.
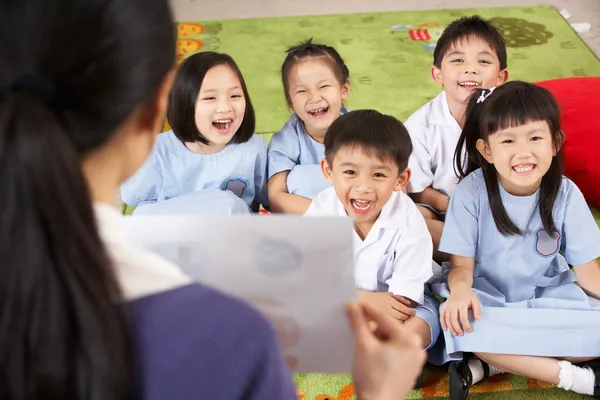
point(220, 106)
point(316, 94)
point(469, 64)
point(363, 183)
point(521, 155)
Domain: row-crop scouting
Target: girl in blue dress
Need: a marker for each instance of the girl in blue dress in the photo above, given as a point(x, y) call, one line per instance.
point(316, 81)
point(514, 228)
point(211, 162)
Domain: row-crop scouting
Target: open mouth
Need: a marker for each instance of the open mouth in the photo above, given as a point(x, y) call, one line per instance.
point(361, 206)
point(470, 84)
point(222, 125)
point(319, 112)
point(523, 168)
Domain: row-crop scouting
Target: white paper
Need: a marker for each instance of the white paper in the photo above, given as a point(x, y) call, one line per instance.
point(298, 271)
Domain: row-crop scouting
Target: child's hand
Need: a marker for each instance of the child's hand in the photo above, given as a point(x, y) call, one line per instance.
point(387, 359)
point(456, 311)
point(394, 306)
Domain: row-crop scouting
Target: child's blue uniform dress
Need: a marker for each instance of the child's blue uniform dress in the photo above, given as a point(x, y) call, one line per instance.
point(175, 179)
point(531, 302)
point(293, 149)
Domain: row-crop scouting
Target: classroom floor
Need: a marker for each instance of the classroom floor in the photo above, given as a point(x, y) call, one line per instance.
point(190, 10)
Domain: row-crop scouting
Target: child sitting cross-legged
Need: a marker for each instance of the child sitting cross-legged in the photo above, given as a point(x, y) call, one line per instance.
point(366, 159)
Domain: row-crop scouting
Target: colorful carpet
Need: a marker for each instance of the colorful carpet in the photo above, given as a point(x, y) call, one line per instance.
point(389, 56)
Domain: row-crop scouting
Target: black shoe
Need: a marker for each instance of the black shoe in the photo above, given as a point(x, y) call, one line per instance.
point(460, 377)
point(595, 366)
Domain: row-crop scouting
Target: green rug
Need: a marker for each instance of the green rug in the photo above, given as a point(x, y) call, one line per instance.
point(389, 56)
point(388, 59)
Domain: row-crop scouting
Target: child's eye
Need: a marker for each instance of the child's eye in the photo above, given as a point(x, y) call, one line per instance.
point(301, 91)
point(325, 86)
point(236, 96)
point(379, 175)
point(458, 60)
point(209, 98)
point(349, 172)
point(536, 138)
point(484, 62)
point(507, 141)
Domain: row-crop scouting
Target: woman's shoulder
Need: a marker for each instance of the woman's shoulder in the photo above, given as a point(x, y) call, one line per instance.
point(200, 308)
point(196, 342)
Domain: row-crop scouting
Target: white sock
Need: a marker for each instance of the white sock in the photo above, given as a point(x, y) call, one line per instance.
point(578, 379)
point(476, 367)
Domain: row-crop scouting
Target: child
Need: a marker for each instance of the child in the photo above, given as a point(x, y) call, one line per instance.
point(212, 146)
point(315, 82)
point(513, 228)
point(469, 55)
point(366, 158)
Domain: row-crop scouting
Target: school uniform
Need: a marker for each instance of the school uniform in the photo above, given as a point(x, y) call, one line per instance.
point(293, 149)
point(172, 170)
point(531, 302)
point(190, 341)
point(434, 134)
point(396, 255)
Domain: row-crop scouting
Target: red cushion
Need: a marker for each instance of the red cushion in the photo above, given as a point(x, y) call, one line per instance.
point(579, 102)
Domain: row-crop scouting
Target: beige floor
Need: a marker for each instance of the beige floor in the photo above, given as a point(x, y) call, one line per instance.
point(189, 10)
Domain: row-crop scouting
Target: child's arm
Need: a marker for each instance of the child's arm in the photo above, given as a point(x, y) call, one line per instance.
point(432, 197)
point(387, 303)
point(462, 298)
point(144, 186)
point(413, 258)
point(588, 276)
point(280, 200)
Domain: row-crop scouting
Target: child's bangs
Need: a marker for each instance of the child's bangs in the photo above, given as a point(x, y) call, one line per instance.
point(520, 108)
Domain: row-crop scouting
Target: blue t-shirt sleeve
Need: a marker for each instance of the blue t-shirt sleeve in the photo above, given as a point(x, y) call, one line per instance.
point(461, 229)
point(260, 174)
point(145, 185)
point(284, 149)
point(580, 233)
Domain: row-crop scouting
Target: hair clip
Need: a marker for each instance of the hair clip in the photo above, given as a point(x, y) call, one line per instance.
point(485, 93)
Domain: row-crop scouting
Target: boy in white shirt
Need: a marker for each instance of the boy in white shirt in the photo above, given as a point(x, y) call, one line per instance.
point(366, 158)
point(470, 55)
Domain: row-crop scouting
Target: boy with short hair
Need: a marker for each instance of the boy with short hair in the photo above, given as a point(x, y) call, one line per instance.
point(366, 161)
point(470, 55)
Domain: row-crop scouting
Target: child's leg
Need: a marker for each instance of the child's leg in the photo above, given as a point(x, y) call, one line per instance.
point(561, 373)
point(421, 328)
point(435, 226)
point(541, 368)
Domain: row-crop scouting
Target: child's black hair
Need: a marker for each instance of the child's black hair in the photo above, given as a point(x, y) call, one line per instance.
point(466, 28)
point(513, 104)
point(373, 132)
point(308, 49)
point(181, 109)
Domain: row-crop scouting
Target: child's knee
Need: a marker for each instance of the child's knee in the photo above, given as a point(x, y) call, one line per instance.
point(419, 326)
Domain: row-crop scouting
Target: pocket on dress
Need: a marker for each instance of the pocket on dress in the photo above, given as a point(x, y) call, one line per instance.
point(546, 245)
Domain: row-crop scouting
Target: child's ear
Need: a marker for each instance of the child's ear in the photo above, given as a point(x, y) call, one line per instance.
point(326, 169)
point(402, 180)
point(484, 150)
point(560, 141)
point(502, 77)
point(345, 90)
point(436, 74)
